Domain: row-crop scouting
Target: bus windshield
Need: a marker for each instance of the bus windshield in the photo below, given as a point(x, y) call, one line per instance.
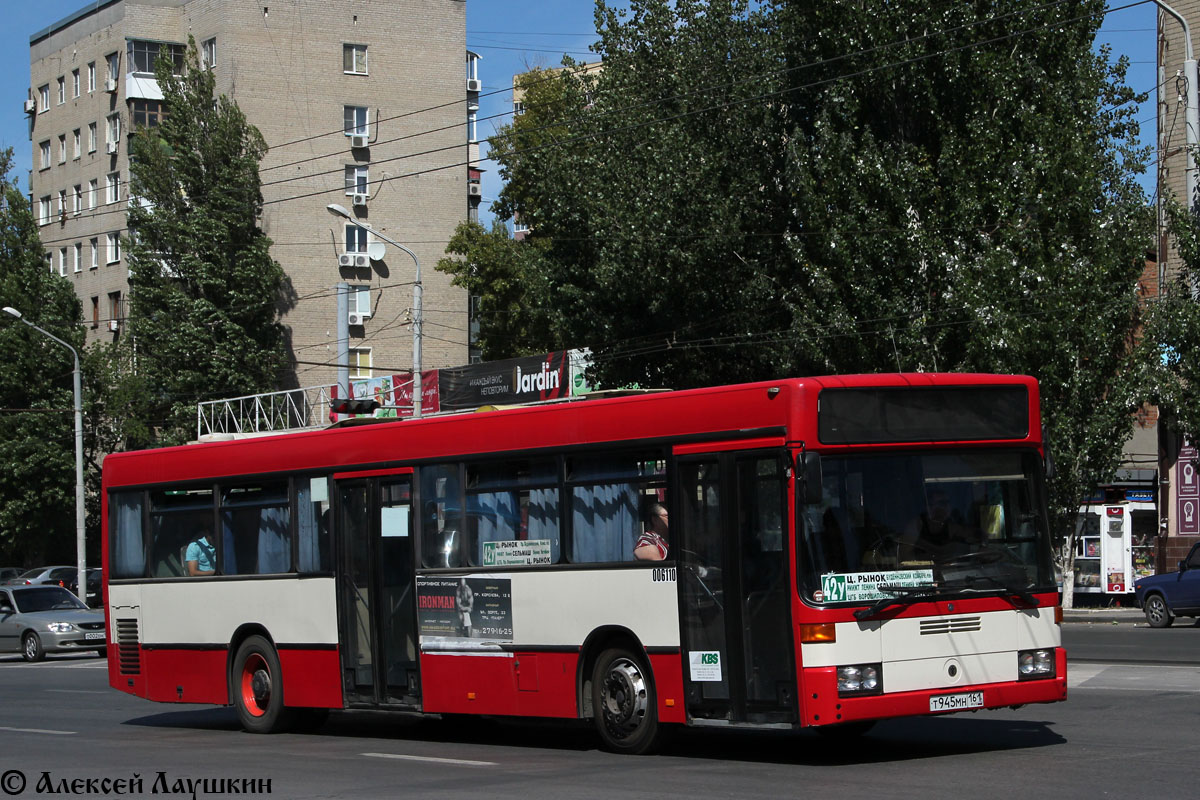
point(969, 521)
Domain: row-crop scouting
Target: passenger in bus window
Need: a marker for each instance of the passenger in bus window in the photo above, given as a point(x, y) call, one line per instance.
point(201, 557)
point(937, 531)
point(652, 544)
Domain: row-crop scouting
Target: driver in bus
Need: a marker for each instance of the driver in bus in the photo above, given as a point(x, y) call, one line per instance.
point(652, 544)
point(201, 556)
point(935, 531)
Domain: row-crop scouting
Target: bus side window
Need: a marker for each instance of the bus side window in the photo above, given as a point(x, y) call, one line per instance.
point(608, 497)
point(513, 501)
point(177, 517)
point(128, 556)
point(441, 516)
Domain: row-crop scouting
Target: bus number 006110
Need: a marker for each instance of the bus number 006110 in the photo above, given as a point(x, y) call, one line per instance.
point(663, 574)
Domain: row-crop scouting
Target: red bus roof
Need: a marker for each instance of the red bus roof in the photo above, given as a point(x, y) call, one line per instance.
point(784, 408)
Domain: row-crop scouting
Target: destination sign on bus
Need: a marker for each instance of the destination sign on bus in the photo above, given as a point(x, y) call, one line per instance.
point(517, 554)
point(864, 587)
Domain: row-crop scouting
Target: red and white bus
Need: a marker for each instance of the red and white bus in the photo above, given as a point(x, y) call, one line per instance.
point(839, 550)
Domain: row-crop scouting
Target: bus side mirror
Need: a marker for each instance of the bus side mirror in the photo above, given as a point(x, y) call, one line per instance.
point(810, 471)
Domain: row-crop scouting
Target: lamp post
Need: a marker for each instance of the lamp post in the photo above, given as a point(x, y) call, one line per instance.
point(340, 211)
point(80, 549)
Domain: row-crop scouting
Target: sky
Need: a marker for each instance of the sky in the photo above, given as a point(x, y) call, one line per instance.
point(511, 36)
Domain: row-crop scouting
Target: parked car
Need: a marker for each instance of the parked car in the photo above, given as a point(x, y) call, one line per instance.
point(42, 575)
point(1173, 594)
point(35, 620)
point(93, 585)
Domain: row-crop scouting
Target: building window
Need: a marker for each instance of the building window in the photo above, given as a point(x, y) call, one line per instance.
point(95, 311)
point(91, 76)
point(354, 59)
point(78, 260)
point(93, 186)
point(44, 210)
point(45, 149)
point(75, 83)
point(91, 137)
point(44, 96)
point(114, 306)
point(62, 204)
point(518, 108)
point(114, 66)
point(356, 179)
point(208, 52)
point(62, 90)
point(112, 129)
point(62, 149)
point(360, 362)
point(143, 54)
point(113, 187)
point(78, 204)
point(356, 238)
point(355, 121)
point(95, 253)
point(62, 261)
point(77, 139)
point(114, 248)
point(146, 113)
point(360, 300)
point(472, 126)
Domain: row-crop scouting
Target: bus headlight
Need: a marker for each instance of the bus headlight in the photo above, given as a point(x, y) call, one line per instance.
point(1033, 664)
point(860, 679)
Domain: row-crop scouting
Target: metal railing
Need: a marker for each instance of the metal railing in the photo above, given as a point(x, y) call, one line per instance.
point(270, 412)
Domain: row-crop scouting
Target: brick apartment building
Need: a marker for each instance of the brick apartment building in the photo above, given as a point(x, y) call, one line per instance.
point(363, 103)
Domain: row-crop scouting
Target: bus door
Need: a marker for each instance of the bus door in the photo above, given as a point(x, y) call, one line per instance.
point(734, 586)
point(376, 606)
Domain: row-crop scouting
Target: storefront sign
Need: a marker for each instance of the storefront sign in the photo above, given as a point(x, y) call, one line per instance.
point(1187, 506)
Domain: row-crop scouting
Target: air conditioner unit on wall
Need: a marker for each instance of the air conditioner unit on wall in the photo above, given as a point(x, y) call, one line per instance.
point(474, 189)
point(110, 85)
point(359, 141)
point(114, 325)
point(346, 260)
point(30, 106)
point(362, 260)
point(354, 318)
point(474, 85)
point(112, 147)
point(359, 198)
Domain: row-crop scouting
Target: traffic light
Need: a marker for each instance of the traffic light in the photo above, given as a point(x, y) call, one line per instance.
point(353, 405)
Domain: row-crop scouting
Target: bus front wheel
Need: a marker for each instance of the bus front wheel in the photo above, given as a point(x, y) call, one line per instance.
point(256, 686)
point(623, 702)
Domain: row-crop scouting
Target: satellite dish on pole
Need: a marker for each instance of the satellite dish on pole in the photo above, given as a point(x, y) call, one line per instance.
point(376, 250)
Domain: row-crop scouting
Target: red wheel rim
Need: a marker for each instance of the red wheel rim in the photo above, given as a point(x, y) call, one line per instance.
point(256, 701)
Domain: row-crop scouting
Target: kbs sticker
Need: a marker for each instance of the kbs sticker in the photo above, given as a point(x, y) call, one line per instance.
point(858, 587)
point(705, 665)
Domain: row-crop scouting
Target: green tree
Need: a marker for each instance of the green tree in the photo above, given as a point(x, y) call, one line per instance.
point(767, 189)
point(37, 439)
point(204, 290)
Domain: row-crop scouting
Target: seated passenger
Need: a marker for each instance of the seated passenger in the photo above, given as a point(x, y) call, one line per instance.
point(652, 544)
point(201, 556)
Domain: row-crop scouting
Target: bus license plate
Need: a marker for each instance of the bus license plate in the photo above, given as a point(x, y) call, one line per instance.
point(956, 702)
point(91, 636)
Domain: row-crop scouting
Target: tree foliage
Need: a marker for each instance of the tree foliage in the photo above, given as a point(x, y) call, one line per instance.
point(37, 450)
point(204, 290)
point(758, 189)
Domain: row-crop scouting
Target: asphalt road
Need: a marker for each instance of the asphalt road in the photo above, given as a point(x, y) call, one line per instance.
point(1127, 730)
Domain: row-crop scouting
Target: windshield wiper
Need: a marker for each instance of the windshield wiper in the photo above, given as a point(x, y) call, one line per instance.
point(1024, 595)
point(901, 595)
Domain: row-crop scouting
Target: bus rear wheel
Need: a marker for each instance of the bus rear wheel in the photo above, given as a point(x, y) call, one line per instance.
point(623, 702)
point(256, 687)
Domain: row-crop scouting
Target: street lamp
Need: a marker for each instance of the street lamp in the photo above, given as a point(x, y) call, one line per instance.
point(80, 549)
point(340, 211)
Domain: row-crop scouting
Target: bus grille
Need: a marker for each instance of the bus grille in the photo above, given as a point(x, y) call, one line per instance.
point(127, 647)
point(930, 627)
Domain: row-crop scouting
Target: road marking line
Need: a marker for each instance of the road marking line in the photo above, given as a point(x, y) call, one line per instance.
point(74, 691)
point(38, 730)
point(461, 761)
